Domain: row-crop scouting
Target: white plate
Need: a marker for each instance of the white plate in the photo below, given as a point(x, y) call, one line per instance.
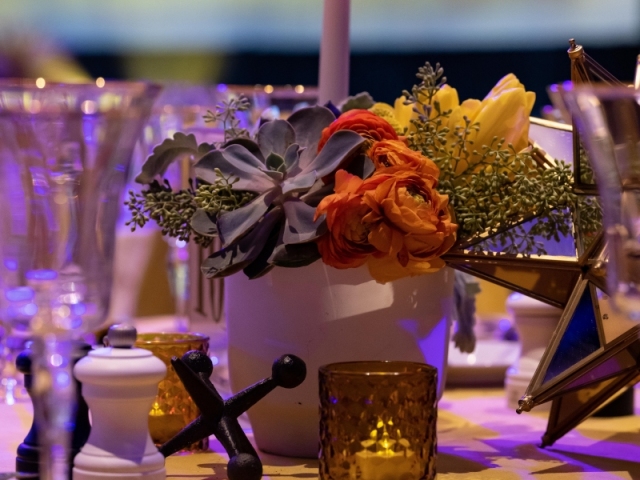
point(487, 365)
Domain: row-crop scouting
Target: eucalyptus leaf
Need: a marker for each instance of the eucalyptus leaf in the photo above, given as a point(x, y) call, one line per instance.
point(308, 124)
point(295, 255)
point(237, 256)
point(168, 151)
point(202, 224)
point(237, 163)
point(341, 146)
point(233, 224)
point(275, 136)
point(300, 226)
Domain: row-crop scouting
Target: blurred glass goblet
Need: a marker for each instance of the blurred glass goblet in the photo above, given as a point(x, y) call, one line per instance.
point(179, 108)
point(608, 120)
point(65, 152)
point(11, 381)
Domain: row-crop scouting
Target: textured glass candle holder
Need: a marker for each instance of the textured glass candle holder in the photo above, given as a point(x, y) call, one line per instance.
point(173, 408)
point(378, 421)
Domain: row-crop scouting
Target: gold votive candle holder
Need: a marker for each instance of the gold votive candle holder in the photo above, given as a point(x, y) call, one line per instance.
point(378, 421)
point(173, 409)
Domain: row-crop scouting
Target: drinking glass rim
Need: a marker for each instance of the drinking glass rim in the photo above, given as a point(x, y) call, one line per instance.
point(32, 83)
point(343, 368)
point(139, 96)
point(178, 338)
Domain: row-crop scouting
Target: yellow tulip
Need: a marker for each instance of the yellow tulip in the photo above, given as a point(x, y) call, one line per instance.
point(503, 113)
point(400, 115)
point(447, 97)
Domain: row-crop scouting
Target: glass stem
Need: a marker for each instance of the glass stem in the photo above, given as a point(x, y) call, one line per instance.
point(54, 399)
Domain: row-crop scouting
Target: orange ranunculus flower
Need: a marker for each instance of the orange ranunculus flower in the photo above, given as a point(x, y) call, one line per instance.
point(409, 223)
point(367, 124)
point(394, 153)
point(345, 245)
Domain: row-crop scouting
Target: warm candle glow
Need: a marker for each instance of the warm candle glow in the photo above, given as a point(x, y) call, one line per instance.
point(394, 428)
point(268, 89)
point(100, 82)
point(383, 456)
point(40, 82)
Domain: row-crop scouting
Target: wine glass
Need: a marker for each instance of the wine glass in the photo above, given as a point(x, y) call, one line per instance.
point(608, 119)
point(65, 152)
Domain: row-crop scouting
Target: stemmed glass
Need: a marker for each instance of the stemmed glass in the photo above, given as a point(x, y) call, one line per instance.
point(608, 120)
point(65, 152)
point(181, 108)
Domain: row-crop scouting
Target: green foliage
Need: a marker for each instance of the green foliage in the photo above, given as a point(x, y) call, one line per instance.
point(227, 114)
point(494, 188)
point(172, 211)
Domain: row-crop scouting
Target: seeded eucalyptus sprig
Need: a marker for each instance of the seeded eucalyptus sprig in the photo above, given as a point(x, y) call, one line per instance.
point(227, 113)
point(493, 187)
point(172, 211)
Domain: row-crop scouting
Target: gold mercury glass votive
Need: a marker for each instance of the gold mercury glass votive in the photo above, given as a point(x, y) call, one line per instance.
point(173, 408)
point(378, 421)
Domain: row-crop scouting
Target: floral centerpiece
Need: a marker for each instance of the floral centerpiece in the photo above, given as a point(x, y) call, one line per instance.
point(390, 187)
point(344, 195)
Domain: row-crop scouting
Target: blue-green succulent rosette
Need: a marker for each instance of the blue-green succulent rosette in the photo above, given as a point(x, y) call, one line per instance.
point(282, 169)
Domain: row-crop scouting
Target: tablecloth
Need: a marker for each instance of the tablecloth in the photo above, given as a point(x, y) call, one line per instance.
point(478, 438)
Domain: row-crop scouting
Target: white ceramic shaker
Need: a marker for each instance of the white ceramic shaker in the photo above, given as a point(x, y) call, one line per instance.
point(119, 383)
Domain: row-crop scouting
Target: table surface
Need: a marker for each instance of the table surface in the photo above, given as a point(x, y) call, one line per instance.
point(478, 438)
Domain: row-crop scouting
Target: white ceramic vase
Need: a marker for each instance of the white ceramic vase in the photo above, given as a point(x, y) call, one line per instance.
point(325, 315)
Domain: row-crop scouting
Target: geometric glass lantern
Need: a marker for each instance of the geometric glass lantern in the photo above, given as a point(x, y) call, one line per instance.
point(595, 352)
point(591, 357)
point(585, 70)
point(507, 257)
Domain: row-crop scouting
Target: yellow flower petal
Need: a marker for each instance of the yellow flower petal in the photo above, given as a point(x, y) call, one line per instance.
point(404, 113)
point(387, 268)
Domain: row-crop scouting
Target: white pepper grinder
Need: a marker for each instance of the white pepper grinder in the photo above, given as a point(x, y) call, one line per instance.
point(119, 383)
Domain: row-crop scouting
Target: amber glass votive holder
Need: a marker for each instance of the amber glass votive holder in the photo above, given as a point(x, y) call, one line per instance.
point(378, 421)
point(173, 409)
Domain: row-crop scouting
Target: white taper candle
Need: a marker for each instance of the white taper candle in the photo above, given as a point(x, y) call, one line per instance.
point(333, 80)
